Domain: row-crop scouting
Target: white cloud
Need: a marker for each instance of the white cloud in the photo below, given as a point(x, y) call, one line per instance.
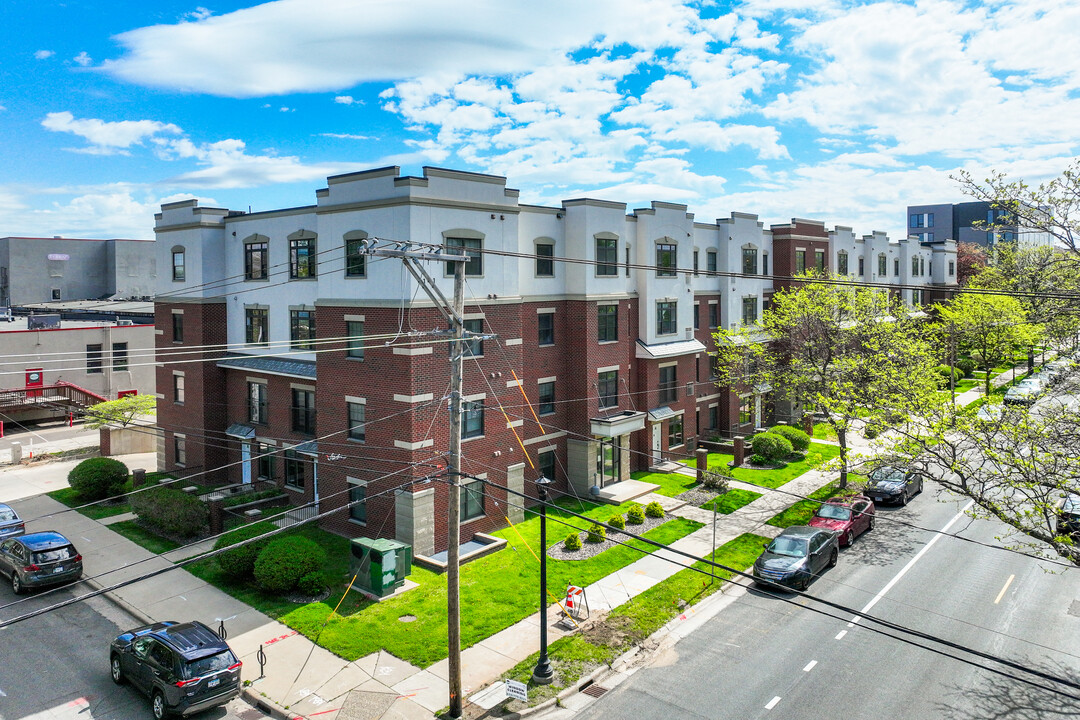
point(226, 164)
point(347, 100)
point(348, 136)
point(43, 54)
point(83, 59)
point(199, 13)
point(107, 137)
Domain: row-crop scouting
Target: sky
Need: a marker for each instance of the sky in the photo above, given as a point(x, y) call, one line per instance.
point(844, 112)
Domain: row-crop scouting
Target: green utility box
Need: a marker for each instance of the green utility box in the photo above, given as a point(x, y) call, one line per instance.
point(380, 565)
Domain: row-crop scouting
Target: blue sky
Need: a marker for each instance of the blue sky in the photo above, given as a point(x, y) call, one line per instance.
point(840, 111)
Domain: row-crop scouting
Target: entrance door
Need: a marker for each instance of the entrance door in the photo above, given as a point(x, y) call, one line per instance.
point(245, 461)
point(656, 450)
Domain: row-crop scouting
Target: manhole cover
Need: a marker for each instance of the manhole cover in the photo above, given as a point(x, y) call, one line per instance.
point(595, 690)
point(407, 618)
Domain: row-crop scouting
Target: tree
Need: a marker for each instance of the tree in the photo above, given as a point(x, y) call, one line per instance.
point(970, 261)
point(988, 326)
point(121, 411)
point(843, 352)
point(1052, 208)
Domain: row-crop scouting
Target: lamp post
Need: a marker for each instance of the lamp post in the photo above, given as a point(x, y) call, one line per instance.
point(542, 673)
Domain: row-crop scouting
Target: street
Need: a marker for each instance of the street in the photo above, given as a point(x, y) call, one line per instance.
point(762, 657)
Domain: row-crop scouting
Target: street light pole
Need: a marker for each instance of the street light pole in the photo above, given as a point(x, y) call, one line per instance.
point(542, 673)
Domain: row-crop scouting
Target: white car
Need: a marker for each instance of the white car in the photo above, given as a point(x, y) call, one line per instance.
point(1025, 392)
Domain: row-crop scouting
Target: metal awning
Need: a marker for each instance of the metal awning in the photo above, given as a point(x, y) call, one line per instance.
point(618, 424)
point(240, 431)
point(661, 413)
point(308, 447)
point(666, 350)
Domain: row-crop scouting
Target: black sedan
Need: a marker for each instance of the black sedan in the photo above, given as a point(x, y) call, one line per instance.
point(893, 485)
point(796, 556)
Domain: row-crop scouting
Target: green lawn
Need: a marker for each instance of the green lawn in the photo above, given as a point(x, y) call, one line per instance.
point(801, 512)
point(100, 510)
point(824, 431)
point(671, 484)
point(818, 454)
point(136, 533)
point(731, 501)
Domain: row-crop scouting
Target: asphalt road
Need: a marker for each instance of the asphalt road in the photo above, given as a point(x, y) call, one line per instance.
point(55, 666)
point(763, 657)
point(37, 435)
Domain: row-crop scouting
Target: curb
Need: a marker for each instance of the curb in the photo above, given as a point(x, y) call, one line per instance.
point(129, 609)
point(265, 705)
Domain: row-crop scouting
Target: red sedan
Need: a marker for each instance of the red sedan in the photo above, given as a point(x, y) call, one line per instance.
point(847, 517)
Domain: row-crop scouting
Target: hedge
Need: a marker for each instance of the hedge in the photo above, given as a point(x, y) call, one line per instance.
point(771, 446)
point(239, 563)
point(285, 560)
point(800, 441)
point(171, 512)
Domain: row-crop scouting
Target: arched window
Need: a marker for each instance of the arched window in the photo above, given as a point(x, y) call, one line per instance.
point(667, 253)
point(257, 258)
point(303, 251)
point(841, 263)
point(607, 254)
point(355, 259)
point(472, 243)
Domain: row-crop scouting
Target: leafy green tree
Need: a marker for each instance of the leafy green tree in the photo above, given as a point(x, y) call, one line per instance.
point(121, 411)
point(988, 326)
point(842, 351)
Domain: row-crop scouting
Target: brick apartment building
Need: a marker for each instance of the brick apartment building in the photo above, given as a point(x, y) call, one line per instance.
point(315, 366)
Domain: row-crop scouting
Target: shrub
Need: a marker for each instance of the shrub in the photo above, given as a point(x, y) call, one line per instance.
point(654, 510)
point(770, 446)
point(944, 372)
point(966, 367)
point(800, 441)
point(98, 478)
point(872, 430)
point(597, 533)
point(814, 459)
point(572, 542)
point(285, 560)
point(635, 515)
point(617, 521)
point(170, 511)
point(758, 460)
point(239, 563)
point(715, 480)
point(313, 583)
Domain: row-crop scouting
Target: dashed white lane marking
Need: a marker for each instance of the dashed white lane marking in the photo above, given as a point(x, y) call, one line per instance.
point(809, 666)
point(1002, 593)
point(840, 635)
point(772, 703)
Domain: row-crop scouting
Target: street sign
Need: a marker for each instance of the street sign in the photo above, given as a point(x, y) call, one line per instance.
point(517, 690)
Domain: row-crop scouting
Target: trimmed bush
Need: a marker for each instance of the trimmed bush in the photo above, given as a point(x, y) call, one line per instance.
point(285, 560)
point(597, 533)
point(617, 521)
point(98, 478)
point(171, 512)
point(635, 515)
point(239, 563)
point(944, 372)
point(966, 367)
point(313, 583)
point(572, 542)
point(758, 460)
point(800, 441)
point(716, 480)
point(771, 446)
point(654, 510)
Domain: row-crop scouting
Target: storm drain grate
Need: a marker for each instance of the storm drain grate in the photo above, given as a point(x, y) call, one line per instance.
point(594, 690)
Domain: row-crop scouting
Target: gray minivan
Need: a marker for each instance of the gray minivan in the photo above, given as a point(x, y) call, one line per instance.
point(39, 559)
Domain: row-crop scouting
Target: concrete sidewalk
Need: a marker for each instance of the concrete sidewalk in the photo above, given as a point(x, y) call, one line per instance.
point(302, 679)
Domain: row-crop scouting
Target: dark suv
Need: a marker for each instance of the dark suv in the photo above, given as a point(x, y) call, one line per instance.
point(39, 559)
point(185, 668)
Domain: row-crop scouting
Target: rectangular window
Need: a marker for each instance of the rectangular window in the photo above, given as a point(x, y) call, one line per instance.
point(357, 501)
point(746, 410)
point(915, 221)
point(862, 267)
point(178, 269)
point(474, 266)
point(841, 263)
point(627, 255)
point(356, 420)
point(177, 328)
point(896, 267)
point(697, 316)
point(93, 359)
point(882, 266)
point(764, 263)
point(355, 259)
point(607, 257)
point(472, 500)
point(929, 219)
point(665, 318)
point(669, 384)
point(665, 260)
point(255, 256)
point(914, 266)
point(749, 261)
point(819, 260)
point(608, 388)
point(265, 461)
point(952, 268)
point(800, 262)
point(294, 470)
point(607, 323)
point(695, 262)
point(302, 258)
point(675, 432)
point(710, 260)
point(120, 356)
point(258, 411)
point(749, 311)
point(355, 343)
point(303, 411)
point(714, 417)
point(256, 326)
point(714, 315)
point(545, 324)
point(472, 419)
point(474, 348)
point(178, 389)
point(180, 449)
point(546, 392)
point(545, 266)
point(302, 329)
point(545, 463)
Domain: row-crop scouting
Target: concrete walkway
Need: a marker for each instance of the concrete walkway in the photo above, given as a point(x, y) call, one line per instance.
point(308, 680)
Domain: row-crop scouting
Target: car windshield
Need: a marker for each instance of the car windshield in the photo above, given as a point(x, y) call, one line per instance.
point(6, 514)
point(887, 474)
point(792, 547)
point(55, 555)
point(211, 664)
point(834, 512)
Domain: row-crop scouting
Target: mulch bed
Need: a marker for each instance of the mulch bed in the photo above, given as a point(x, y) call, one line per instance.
point(697, 496)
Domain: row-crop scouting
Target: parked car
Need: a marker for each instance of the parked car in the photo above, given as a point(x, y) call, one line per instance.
point(39, 559)
point(796, 556)
point(847, 517)
point(10, 522)
point(184, 668)
point(990, 412)
point(893, 484)
point(1068, 519)
point(1026, 391)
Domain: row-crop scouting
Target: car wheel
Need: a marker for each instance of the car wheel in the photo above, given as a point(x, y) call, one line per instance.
point(158, 706)
point(870, 525)
point(16, 584)
point(903, 498)
point(115, 672)
point(833, 557)
point(847, 539)
point(920, 486)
